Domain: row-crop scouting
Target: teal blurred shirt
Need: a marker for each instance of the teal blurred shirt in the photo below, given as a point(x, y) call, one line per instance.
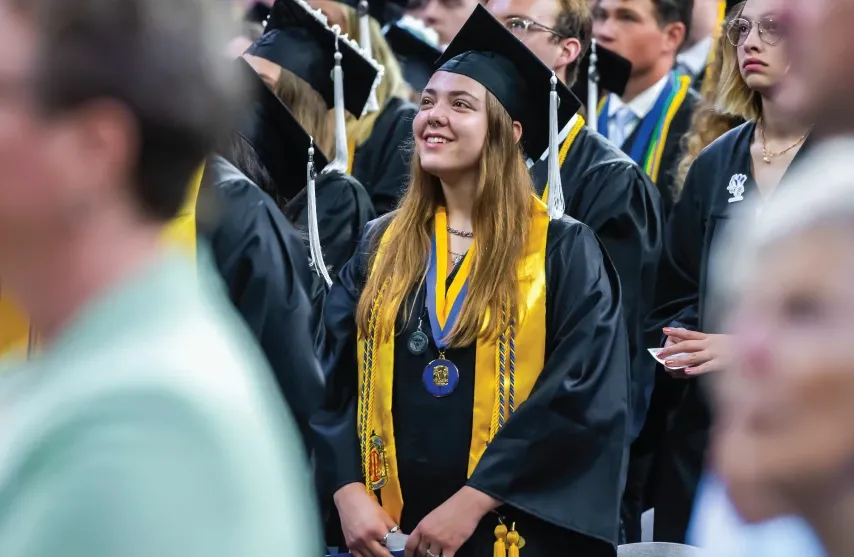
point(153, 428)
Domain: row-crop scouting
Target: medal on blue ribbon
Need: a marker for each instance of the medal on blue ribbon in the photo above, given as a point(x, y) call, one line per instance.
point(441, 376)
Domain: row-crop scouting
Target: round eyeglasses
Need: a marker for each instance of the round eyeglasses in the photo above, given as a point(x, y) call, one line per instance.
point(770, 32)
point(521, 26)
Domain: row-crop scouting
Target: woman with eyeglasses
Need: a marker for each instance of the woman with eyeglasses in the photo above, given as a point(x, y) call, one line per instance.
point(481, 364)
point(747, 163)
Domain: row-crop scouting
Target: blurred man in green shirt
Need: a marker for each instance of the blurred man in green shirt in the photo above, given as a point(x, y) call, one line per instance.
point(149, 424)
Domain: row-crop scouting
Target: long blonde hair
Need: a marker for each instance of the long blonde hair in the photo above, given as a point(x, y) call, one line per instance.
point(501, 218)
point(707, 122)
point(734, 96)
point(392, 85)
point(309, 108)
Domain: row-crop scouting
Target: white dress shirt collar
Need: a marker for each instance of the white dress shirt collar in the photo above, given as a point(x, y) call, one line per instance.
point(643, 103)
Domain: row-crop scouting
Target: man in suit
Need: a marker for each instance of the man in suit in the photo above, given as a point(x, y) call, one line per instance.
point(650, 118)
point(149, 424)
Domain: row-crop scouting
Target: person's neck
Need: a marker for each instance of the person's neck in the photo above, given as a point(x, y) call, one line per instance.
point(639, 83)
point(459, 192)
point(87, 265)
point(777, 123)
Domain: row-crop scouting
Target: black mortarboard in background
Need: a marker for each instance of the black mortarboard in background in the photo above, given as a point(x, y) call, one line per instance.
point(486, 51)
point(298, 39)
point(275, 135)
point(613, 71)
point(384, 11)
point(417, 57)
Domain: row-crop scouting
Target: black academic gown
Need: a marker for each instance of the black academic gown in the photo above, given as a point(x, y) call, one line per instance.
point(672, 154)
point(381, 164)
point(608, 192)
point(557, 465)
point(262, 260)
point(703, 211)
point(343, 210)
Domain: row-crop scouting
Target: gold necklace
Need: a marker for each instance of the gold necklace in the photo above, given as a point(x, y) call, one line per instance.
point(766, 156)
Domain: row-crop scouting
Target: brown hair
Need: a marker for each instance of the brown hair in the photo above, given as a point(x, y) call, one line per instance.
point(734, 96)
point(500, 221)
point(309, 108)
point(707, 123)
point(392, 84)
point(160, 60)
point(575, 20)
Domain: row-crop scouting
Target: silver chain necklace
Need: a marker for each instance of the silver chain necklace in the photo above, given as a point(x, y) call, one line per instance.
point(460, 233)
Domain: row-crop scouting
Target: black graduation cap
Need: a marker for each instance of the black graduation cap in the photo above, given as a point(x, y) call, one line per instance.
point(258, 12)
point(730, 4)
point(298, 39)
point(612, 70)
point(273, 132)
point(416, 55)
point(486, 51)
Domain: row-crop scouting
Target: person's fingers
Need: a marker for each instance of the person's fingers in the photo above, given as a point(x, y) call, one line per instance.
point(377, 550)
point(423, 547)
point(388, 521)
point(707, 367)
point(686, 347)
point(412, 543)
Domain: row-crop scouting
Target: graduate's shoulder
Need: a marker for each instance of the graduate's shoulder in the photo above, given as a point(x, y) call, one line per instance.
point(339, 188)
point(725, 146)
point(233, 203)
point(566, 232)
point(602, 162)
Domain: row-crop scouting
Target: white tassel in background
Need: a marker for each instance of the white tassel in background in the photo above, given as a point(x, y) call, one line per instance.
point(315, 249)
point(556, 202)
point(373, 104)
point(593, 89)
point(341, 162)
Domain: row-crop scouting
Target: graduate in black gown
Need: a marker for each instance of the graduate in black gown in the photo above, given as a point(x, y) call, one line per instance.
point(747, 163)
point(474, 430)
point(343, 205)
point(607, 191)
point(381, 138)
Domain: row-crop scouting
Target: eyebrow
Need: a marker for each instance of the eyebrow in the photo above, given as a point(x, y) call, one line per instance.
point(452, 94)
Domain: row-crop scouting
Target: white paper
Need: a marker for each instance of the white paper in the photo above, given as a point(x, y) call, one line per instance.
point(396, 542)
point(655, 351)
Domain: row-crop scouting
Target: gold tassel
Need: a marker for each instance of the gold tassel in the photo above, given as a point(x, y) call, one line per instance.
point(500, 549)
point(513, 539)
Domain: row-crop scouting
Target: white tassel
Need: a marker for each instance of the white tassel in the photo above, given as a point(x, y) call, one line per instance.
point(373, 104)
point(593, 89)
point(556, 202)
point(341, 162)
point(315, 249)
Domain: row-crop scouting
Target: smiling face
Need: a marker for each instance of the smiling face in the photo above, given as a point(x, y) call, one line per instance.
point(763, 66)
point(450, 127)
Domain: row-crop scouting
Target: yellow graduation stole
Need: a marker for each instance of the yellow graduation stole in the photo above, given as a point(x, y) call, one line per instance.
point(504, 377)
point(16, 334)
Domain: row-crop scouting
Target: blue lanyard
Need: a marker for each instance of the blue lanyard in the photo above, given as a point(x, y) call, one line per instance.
point(648, 125)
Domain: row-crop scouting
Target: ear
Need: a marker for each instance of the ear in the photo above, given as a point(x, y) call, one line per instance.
point(517, 131)
point(569, 53)
point(674, 36)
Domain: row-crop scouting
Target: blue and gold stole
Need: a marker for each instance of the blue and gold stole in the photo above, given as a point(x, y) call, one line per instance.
point(648, 146)
point(16, 334)
point(504, 375)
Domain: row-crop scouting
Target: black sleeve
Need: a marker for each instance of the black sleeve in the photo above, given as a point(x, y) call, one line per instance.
point(619, 202)
point(560, 457)
point(677, 291)
point(258, 254)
